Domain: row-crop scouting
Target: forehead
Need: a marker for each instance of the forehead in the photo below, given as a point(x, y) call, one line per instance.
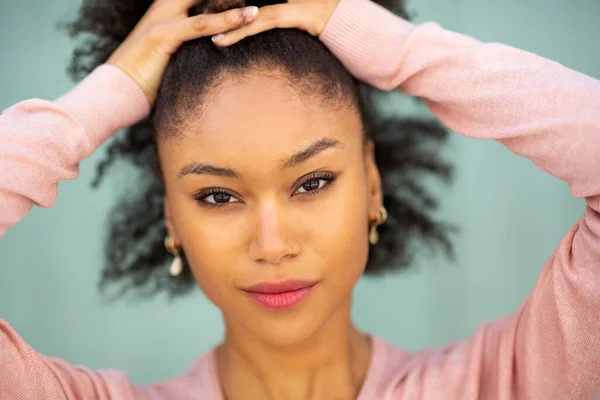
point(267, 109)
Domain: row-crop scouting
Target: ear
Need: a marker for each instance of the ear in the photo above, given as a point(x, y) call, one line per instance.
point(169, 222)
point(375, 194)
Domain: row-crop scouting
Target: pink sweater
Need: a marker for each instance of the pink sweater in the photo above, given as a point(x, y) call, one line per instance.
point(548, 349)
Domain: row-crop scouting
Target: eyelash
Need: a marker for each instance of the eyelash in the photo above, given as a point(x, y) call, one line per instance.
point(329, 177)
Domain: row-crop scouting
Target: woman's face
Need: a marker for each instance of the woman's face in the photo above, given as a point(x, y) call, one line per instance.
point(265, 184)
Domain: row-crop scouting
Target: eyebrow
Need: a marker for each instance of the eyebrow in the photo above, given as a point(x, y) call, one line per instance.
point(301, 156)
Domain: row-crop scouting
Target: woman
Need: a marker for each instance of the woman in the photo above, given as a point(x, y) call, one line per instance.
point(273, 193)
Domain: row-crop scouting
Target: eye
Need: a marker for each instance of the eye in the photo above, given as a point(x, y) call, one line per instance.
point(316, 183)
point(215, 198)
point(311, 185)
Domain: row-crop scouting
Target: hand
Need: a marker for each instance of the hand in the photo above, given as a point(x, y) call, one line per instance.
point(309, 15)
point(145, 53)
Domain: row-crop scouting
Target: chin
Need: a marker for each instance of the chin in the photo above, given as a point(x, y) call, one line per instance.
point(289, 329)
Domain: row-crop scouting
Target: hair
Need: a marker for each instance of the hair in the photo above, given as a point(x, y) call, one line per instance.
point(407, 149)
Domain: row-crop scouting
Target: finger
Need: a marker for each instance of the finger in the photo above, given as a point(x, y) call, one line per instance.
point(284, 15)
point(213, 24)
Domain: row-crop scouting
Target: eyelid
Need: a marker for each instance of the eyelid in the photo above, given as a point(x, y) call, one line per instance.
point(214, 190)
point(203, 194)
point(330, 177)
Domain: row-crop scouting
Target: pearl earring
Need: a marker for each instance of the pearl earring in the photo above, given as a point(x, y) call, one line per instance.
point(177, 264)
point(373, 234)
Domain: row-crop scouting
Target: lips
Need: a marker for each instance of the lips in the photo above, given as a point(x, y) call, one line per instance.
point(279, 287)
point(281, 295)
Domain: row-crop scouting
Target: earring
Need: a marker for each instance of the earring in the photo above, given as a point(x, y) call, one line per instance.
point(373, 234)
point(177, 264)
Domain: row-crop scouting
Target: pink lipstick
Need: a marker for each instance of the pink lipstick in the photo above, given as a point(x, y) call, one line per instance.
point(281, 295)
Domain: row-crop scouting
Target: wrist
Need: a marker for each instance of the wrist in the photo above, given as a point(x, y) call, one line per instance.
point(324, 11)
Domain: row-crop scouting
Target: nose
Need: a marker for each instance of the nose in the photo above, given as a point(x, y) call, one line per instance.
point(273, 238)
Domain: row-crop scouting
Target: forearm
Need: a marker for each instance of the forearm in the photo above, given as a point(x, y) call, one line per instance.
point(42, 142)
point(538, 108)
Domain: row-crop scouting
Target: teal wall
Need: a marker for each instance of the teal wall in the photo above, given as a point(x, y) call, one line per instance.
point(512, 215)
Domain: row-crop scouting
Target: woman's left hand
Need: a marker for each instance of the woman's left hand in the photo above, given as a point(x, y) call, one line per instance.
point(308, 15)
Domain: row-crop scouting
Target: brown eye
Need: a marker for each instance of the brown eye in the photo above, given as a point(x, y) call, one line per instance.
point(311, 185)
point(314, 185)
point(221, 197)
point(216, 198)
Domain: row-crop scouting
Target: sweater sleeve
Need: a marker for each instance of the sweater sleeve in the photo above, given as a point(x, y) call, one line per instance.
point(25, 374)
point(539, 109)
point(41, 143)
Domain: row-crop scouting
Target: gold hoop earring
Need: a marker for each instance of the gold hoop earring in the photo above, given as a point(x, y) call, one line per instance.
point(176, 266)
point(373, 234)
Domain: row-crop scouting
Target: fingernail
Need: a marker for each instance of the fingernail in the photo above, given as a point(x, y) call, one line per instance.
point(218, 38)
point(249, 12)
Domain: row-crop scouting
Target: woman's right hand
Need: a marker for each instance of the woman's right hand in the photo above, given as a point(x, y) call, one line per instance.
point(145, 53)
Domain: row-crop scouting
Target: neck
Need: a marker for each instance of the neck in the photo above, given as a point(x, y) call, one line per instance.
point(331, 363)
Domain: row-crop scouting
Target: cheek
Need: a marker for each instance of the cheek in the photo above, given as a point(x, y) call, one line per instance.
point(342, 233)
point(211, 245)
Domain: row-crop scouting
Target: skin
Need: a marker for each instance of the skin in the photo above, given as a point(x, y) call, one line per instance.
point(271, 228)
point(269, 231)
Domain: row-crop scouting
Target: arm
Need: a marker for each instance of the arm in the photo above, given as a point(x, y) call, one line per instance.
point(536, 107)
point(42, 143)
point(550, 348)
point(26, 374)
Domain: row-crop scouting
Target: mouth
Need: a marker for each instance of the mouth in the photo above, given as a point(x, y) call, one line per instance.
point(281, 295)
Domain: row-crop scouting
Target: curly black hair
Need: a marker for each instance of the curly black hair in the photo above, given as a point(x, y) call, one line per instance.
point(407, 149)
